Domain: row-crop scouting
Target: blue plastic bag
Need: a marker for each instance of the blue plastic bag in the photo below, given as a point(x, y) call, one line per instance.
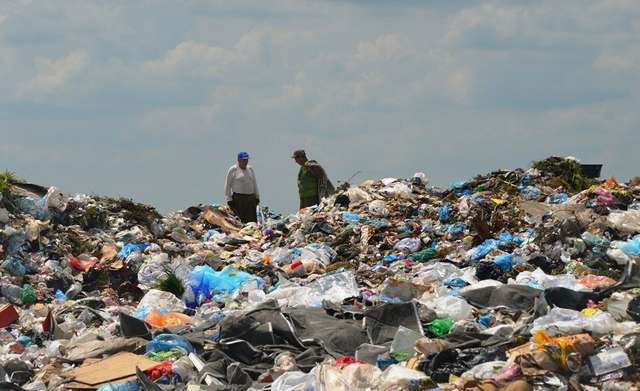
point(128, 386)
point(508, 237)
point(454, 282)
point(15, 266)
point(350, 217)
point(456, 228)
point(445, 212)
point(482, 250)
point(130, 248)
point(486, 320)
point(592, 240)
point(505, 261)
point(531, 193)
point(631, 247)
point(164, 342)
point(205, 282)
point(558, 198)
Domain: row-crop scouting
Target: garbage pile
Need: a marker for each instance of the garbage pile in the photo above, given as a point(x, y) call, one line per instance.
point(513, 280)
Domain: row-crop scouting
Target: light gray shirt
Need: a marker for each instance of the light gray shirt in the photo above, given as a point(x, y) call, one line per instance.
point(240, 181)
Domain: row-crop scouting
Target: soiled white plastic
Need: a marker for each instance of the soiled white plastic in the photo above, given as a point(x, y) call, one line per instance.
point(485, 370)
point(357, 195)
point(617, 305)
point(161, 300)
point(618, 255)
point(562, 321)
point(293, 381)
point(378, 208)
point(627, 221)
point(396, 375)
point(449, 307)
point(397, 190)
point(435, 272)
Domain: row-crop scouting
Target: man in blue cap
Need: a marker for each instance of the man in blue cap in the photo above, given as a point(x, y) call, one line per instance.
point(241, 189)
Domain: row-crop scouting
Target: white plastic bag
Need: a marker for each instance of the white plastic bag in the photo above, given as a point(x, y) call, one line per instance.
point(627, 221)
point(450, 307)
point(378, 208)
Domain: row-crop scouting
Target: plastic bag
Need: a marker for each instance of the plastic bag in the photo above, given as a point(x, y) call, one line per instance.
point(205, 281)
point(333, 288)
point(130, 248)
point(408, 245)
point(450, 307)
point(83, 262)
point(444, 212)
point(350, 217)
point(531, 193)
point(618, 255)
point(170, 319)
point(592, 281)
point(294, 381)
point(482, 250)
point(164, 342)
point(558, 198)
point(627, 222)
point(399, 377)
point(378, 208)
point(631, 247)
point(562, 321)
point(157, 299)
point(441, 327)
point(357, 195)
point(424, 255)
point(15, 266)
point(505, 261)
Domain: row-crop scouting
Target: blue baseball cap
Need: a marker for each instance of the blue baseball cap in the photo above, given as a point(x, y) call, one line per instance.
point(243, 156)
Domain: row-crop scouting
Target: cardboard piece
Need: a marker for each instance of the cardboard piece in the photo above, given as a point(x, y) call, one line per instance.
point(217, 217)
point(115, 369)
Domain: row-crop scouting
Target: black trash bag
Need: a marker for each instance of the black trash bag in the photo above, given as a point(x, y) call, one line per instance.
point(440, 366)
point(633, 309)
point(488, 271)
point(133, 327)
point(545, 263)
point(567, 298)
point(18, 371)
point(518, 297)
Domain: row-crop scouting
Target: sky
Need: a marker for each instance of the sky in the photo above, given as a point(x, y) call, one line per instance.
point(152, 99)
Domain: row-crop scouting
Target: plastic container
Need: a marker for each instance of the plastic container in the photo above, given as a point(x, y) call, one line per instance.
point(591, 170)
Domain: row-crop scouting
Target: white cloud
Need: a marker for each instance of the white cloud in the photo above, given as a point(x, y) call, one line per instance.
point(200, 60)
point(53, 75)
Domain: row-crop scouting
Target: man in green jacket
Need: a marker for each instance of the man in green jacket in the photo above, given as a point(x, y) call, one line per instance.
point(313, 183)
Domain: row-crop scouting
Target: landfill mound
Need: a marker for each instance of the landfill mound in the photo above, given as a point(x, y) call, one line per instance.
point(513, 280)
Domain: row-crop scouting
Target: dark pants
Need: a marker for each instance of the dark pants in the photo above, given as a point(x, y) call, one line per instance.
point(307, 202)
point(244, 206)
